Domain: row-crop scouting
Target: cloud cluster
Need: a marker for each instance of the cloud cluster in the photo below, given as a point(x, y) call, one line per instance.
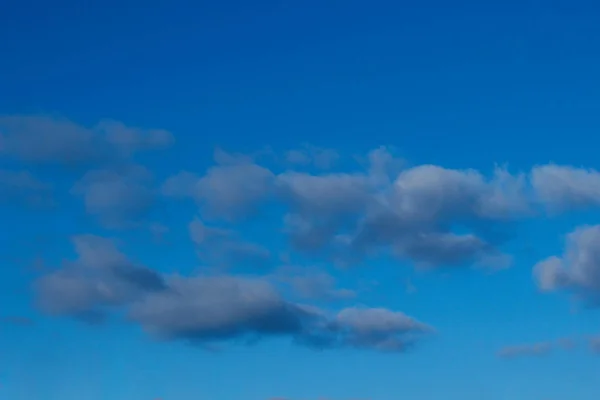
point(577, 270)
point(419, 214)
point(426, 215)
point(429, 215)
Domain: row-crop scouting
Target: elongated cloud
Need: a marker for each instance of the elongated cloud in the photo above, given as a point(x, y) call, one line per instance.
point(47, 139)
point(528, 350)
point(102, 281)
point(212, 309)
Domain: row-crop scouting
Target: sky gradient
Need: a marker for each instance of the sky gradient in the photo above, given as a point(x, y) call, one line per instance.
point(299, 200)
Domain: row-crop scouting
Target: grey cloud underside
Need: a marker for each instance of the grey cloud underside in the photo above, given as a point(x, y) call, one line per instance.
point(205, 309)
point(213, 309)
point(100, 278)
point(577, 270)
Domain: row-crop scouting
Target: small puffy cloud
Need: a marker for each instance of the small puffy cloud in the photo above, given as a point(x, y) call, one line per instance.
point(550, 274)
point(433, 193)
point(117, 197)
point(383, 164)
point(562, 187)
point(47, 139)
point(320, 205)
point(418, 215)
point(230, 191)
point(578, 269)
point(527, 350)
point(233, 191)
point(324, 195)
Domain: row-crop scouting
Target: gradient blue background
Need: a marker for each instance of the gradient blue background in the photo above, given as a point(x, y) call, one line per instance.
point(460, 84)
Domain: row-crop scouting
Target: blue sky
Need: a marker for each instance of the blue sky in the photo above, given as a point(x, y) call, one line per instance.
point(299, 200)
